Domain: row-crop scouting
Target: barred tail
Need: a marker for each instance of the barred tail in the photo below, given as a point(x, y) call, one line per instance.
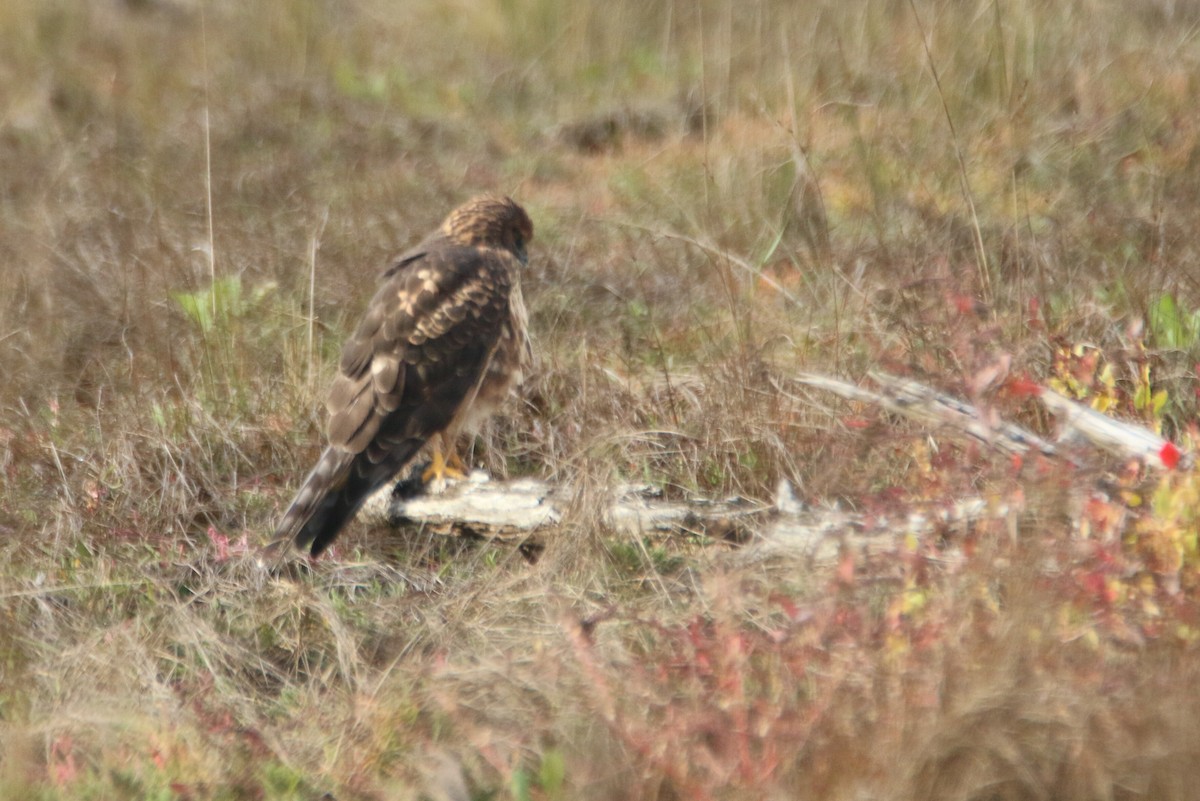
point(326, 501)
point(334, 491)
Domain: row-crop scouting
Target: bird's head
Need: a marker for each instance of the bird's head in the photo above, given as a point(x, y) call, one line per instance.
point(490, 221)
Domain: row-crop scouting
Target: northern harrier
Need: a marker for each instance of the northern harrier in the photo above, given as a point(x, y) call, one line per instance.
point(443, 342)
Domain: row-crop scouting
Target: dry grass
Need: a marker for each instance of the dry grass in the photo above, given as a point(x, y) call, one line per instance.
point(724, 193)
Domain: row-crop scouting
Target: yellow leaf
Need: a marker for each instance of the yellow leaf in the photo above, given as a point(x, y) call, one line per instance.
point(914, 600)
point(1141, 398)
point(1159, 401)
point(897, 644)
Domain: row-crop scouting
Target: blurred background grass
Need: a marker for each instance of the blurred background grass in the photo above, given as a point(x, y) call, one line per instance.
point(723, 193)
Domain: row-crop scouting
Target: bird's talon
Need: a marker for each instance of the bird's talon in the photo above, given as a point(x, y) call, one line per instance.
point(443, 469)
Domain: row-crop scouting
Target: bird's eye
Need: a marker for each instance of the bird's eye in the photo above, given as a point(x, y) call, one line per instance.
point(519, 246)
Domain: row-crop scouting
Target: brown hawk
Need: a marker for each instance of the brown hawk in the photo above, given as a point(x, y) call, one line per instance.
point(443, 342)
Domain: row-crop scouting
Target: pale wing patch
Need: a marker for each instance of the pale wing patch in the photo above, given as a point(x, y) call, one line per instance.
point(385, 375)
point(352, 420)
point(467, 300)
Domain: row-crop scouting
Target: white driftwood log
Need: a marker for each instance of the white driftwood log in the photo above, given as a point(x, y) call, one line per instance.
point(519, 508)
point(928, 406)
point(528, 510)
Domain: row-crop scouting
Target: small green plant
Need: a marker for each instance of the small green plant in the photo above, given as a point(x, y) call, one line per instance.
point(1172, 326)
point(205, 307)
point(638, 558)
point(234, 322)
point(549, 778)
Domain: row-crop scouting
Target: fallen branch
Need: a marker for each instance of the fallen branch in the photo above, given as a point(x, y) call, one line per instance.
point(928, 406)
point(1127, 440)
point(527, 510)
point(514, 510)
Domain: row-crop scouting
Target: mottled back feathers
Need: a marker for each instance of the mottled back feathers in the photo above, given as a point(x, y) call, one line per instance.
point(445, 329)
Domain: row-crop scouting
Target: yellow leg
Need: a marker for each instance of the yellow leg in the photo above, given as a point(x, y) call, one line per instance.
point(444, 466)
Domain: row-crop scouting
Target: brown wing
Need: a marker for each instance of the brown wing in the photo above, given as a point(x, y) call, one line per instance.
point(418, 355)
point(420, 350)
